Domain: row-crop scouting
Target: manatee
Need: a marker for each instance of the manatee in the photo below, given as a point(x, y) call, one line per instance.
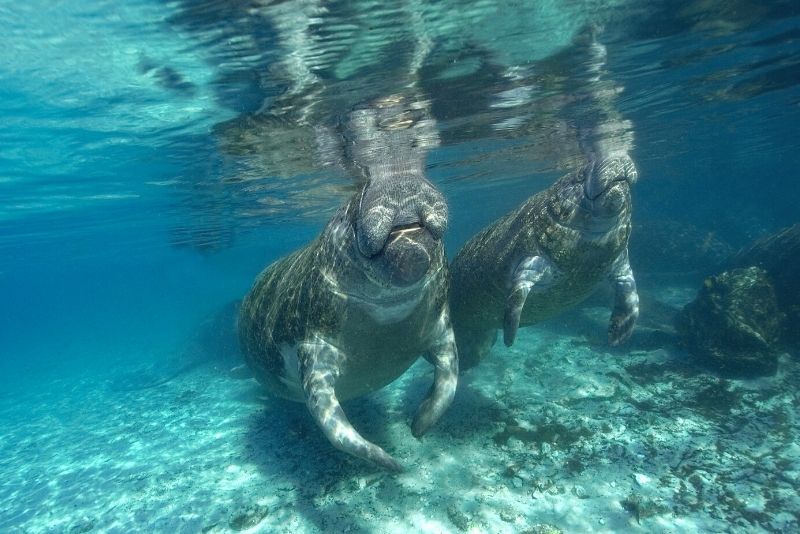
point(351, 311)
point(547, 255)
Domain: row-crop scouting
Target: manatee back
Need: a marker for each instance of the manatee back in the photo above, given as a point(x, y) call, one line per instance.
point(276, 313)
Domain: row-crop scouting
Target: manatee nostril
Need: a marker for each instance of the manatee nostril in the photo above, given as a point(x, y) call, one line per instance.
point(373, 229)
point(434, 215)
point(436, 222)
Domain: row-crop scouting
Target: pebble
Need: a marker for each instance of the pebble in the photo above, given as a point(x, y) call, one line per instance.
point(508, 516)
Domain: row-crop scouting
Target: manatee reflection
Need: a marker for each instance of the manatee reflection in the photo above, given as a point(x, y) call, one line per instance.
point(302, 67)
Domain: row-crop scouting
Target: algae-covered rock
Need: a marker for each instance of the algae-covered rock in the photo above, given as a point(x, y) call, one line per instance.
point(779, 255)
point(642, 507)
point(734, 323)
point(462, 521)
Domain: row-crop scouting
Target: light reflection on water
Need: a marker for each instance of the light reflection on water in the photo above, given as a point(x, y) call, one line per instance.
point(200, 121)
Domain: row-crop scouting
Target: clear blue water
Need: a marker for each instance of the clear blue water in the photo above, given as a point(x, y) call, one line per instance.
point(127, 217)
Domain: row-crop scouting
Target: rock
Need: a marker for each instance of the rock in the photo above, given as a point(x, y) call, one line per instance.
point(779, 255)
point(461, 520)
point(508, 516)
point(512, 470)
point(734, 323)
point(248, 516)
point(580, 492)
point(642, 507)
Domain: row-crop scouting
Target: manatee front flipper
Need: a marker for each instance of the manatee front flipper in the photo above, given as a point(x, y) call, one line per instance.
point(626, 301)
point(444, 357)
point(533, 271)
point(320, 363)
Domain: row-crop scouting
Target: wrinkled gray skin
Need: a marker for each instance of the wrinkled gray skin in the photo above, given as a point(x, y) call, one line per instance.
point(547, 255)
point(552, 251)
point(350, 312)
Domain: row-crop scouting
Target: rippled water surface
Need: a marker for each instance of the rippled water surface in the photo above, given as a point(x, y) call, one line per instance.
point(154, 156)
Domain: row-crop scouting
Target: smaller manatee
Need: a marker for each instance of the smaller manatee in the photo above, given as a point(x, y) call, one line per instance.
point(547, 255)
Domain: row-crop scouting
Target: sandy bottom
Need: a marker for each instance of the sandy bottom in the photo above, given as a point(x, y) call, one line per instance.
point(559, 433)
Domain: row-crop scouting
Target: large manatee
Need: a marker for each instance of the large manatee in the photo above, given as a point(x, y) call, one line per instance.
point(350, 312)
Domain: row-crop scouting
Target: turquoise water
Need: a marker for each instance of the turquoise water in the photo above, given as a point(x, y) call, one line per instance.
point(136, 205)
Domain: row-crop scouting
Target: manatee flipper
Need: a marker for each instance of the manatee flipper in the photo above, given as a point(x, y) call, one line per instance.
point(626, 301)
point(444, 357)
point(533, 271)
point(320, 364)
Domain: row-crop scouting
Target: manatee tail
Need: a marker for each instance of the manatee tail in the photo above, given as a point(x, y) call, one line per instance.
point(319, 366)
point(148, 378)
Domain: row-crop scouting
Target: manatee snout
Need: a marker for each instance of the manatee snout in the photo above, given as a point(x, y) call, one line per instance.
point(612, 173)
point(402, 234)
point(407, 255)
point(606, 193)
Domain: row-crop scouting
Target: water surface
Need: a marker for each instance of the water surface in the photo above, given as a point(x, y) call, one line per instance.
point(156, 155)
